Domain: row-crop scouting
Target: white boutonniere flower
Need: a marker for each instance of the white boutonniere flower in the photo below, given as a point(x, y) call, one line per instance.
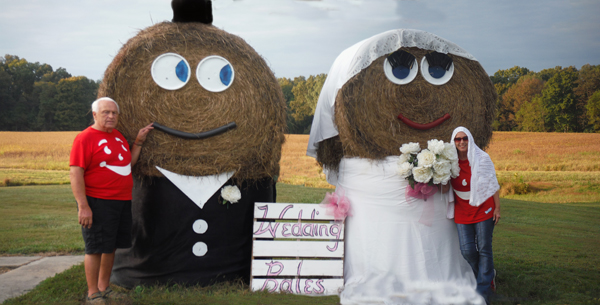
point(231, 194)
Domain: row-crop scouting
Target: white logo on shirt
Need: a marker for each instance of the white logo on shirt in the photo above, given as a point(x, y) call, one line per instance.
point(121, 170)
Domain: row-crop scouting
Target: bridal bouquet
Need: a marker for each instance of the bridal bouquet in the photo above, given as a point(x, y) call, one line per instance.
point(425, 168)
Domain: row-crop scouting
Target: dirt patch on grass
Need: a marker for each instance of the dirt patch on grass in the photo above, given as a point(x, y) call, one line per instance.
point(541, 186)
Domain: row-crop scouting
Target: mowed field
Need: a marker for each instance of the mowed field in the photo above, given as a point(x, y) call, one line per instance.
point(542, 167)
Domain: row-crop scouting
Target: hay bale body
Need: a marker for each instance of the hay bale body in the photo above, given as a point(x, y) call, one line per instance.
point(254, 102)
point(368, 105)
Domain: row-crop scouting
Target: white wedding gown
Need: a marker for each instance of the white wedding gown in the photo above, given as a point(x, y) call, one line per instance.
point(399, 251)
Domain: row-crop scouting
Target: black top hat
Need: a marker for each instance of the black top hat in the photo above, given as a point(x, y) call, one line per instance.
point(192, 11)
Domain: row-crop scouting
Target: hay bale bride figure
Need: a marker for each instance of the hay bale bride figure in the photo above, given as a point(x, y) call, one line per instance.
point(387, 103)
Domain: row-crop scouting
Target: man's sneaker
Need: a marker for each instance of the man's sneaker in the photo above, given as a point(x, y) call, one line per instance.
point(95, 299)
point(111, 295)
point(494, 282)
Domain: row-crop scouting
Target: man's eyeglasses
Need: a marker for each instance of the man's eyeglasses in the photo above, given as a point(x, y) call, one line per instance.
point(465, 138)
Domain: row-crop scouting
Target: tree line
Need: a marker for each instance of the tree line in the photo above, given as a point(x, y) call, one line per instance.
point(552, 100)
point(558, 99)
point(34, 97)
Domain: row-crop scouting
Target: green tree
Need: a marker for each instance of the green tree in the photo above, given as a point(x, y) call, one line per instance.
point(6, 97)
point(74, 97)
point(306, 95)
point(46, 92)
point(34, 97)
point(56, 76)
point(286, 85)
point(504, 80)
point(20, 105)
point(530, 117)
point(593, 111)
point(559, 101)
point(587, 84)
point(547, 74)
point(509, 76)
point(523, 91)
point(301, 95)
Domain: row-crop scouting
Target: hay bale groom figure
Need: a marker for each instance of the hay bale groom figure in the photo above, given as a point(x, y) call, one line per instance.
point(219, 116)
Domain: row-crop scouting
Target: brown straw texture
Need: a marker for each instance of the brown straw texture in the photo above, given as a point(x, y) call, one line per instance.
point(368, 105)
point(254, 102)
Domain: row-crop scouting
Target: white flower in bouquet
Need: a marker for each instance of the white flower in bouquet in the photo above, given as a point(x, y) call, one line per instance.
point(455, 169)
point(435, 146)
point(443, 167)
point(449, 152)
point(441, 172)
point(422, 174)
point(440, 178)
point(410, 148)
point(403, 158)
point(231, 193)
point(405, 169)
point(426, 158)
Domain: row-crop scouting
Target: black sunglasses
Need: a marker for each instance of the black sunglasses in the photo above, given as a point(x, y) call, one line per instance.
point(465, 138)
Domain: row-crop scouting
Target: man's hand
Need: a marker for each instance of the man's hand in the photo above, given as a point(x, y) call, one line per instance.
point(139, 141)
point(141, 136)
point(78, 188)
point(85, 217)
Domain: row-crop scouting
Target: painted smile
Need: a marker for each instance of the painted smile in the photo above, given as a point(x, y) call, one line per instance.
point(121, 170)
point(419, 126)
point(201, 135)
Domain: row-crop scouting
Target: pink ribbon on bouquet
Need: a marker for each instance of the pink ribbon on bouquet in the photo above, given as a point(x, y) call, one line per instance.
point(423, 191)
point(337, 205)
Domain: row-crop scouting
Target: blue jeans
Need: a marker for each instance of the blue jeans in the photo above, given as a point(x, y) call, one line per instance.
point(476, 247)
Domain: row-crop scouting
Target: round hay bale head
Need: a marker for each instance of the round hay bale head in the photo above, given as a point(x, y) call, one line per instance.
point(253, 101)
point(368, 105)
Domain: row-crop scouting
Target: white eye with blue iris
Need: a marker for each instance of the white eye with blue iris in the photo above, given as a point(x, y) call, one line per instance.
point(170, 71)
point(435, 73)
point(400, 67)
point(215, 73)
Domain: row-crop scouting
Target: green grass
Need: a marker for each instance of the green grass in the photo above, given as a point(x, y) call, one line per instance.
point(548, 253)
point(296, 193)
point(35, 219)
point(545, 253)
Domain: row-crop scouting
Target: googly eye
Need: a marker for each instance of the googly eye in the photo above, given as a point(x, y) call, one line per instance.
point(400, 68)
point(170, 71)
point(437, 68)
point(215, 73)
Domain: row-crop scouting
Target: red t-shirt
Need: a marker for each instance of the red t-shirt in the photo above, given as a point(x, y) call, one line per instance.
point(106, 160)
point(464, 213)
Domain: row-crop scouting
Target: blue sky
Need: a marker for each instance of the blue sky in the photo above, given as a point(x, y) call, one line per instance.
point(304, 37)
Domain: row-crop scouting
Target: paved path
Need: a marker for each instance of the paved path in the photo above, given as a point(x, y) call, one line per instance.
point(30, 271)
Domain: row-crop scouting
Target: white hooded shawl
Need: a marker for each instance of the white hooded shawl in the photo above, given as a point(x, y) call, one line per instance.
point(484, 183)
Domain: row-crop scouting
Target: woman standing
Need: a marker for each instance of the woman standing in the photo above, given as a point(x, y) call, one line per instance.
point(477, 208)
